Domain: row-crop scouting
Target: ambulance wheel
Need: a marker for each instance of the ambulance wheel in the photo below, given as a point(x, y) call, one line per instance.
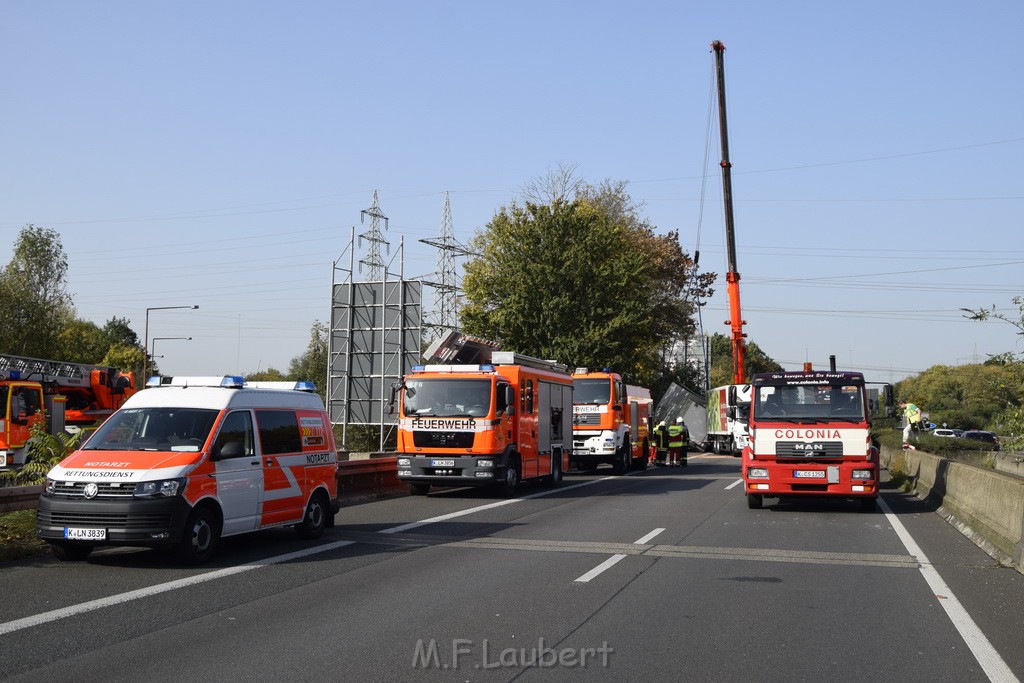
point(513, 473)
point(755, 501)
point(315, 520)
point(419, 489)
point(867, 504)
point(202, 534)
point(71, 552)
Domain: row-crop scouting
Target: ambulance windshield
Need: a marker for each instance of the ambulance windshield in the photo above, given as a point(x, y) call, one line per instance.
point(153, 429)
point(447, 397)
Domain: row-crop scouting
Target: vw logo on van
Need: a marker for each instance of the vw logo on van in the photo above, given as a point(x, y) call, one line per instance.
point(90, 490)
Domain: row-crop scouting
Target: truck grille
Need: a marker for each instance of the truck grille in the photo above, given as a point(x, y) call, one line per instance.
point(802, 450)
point(103, 519)
point(426, 439)
point(74, 489)
point(586, 419)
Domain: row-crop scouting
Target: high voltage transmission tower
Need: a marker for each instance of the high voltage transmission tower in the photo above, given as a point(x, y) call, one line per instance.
point(447, 284)
point(375, 238)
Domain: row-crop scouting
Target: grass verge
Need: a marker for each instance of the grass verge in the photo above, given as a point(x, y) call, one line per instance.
point(18, 536)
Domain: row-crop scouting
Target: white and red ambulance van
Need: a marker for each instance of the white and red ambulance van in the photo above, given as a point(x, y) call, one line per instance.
point(189, 460)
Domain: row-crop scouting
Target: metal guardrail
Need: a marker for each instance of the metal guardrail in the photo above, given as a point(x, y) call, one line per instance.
point(365, 476)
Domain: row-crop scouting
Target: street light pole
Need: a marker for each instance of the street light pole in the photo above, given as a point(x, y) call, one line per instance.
point(145, 345)
point(152, 353)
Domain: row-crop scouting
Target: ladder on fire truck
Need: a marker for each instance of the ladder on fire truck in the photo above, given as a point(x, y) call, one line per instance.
point(62, 372)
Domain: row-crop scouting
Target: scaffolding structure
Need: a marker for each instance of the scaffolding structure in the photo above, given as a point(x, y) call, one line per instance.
point(375, 333)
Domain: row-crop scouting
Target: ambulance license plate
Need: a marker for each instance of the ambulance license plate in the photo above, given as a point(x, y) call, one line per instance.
point(442, 463)
point(809, 474)
point(85, 534)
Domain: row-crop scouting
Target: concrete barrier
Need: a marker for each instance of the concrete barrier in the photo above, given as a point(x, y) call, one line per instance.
point(986, 505)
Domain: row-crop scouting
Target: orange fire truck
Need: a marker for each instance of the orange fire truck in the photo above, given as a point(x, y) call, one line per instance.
point(66, 393)
point(810, 436)
point(610, 421)
point(492, 423)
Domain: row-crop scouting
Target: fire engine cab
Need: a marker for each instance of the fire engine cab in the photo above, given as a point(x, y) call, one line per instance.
point(491, 423)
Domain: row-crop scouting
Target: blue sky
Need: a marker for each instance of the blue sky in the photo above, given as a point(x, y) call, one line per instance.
point(219, 154)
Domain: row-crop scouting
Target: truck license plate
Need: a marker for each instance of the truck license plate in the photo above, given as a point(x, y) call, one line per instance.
point(442, 463)
point(86, 534)
point(809, 474)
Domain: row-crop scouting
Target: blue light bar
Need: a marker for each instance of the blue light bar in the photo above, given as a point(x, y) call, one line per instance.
point(305, 386)
point(418, 368)
point(232, 381)
point(487, 368)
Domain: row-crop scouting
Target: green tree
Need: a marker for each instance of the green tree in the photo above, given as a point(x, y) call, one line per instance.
point(1010, 420)
point(127, 358)
point(581, 280)
point(81, 341)
point(312, 365)
point(34, 302)
point(268, 375)
point(966, 396)
point(755, 360)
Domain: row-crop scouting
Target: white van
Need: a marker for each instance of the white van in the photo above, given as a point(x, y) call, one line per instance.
point(191, 459)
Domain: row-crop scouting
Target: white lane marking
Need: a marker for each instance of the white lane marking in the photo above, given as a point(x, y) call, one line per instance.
point(734, 484)
point(489, 506)
point(992, 664)
point(72, 610)
point(611, 561)
point(648, 537)
point(54, 615)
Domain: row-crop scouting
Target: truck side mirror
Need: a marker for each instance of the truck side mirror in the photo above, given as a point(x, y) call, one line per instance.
point(510, 400)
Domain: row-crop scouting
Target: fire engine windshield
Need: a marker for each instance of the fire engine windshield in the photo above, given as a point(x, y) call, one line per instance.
point(447, 397)
point(153, 429)
point(591, 391)
point(810, 403)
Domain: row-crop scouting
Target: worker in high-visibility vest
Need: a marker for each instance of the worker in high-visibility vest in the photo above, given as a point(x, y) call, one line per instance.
point(678, 443)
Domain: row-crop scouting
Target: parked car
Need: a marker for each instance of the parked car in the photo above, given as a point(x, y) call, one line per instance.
point(949, 433)
point(981, 435)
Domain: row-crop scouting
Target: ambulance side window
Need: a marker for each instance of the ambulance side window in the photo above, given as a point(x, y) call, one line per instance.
point(279, 431)
point(235, 439)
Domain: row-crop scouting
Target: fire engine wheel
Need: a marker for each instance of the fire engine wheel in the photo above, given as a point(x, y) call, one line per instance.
point(867, 504)
point(419, 489)
point(623, 460)
point(202, 534)
point(71, 552)
point(642, 463)
point(755, 501)
point(513, 473)
point(315, 520)
point(555, 478)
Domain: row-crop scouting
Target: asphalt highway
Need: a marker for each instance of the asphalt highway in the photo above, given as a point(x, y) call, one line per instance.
point(659, 575)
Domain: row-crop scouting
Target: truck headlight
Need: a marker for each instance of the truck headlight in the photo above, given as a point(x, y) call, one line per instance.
point(863, 474)
point(405, 462)
point(757, 473)
point(167, 488)
point(485, 463)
